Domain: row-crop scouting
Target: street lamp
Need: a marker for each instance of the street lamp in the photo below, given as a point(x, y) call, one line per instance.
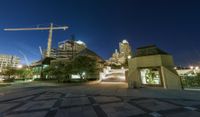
point(175, 68)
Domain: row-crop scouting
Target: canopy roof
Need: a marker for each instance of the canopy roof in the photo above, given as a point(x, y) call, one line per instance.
point(149, 50)
point(90, 53)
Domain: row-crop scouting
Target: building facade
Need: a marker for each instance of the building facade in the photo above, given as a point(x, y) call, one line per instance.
point(67, 50)
point(8, 60)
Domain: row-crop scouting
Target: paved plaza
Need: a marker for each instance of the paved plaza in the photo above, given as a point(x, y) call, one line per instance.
point(96, 100)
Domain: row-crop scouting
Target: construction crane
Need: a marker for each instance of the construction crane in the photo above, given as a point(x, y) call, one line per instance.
point(51, 28)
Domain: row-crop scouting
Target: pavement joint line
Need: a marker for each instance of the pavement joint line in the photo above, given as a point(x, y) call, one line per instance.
point(140, 107)
point(120, 98)
point(99, 111)
point(66, 95)
point(20, 97)
point(198, 108)
point(48, 99)
point(190, 108)
point(172, 111)
point(138, 99)
point(35, 88)
point(95, 104)
point(74, 106)
point(10, 110)
point(169, 102)
point(52, 113)
point(182, 99)
point(27, 111)
point(175, 99)
point(141, 115)
point(92, 100)
point(109, 102)
point(54, 108)
point(155, 114)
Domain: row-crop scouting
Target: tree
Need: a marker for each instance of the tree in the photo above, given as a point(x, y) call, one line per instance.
point(24, 72)
point(83, 65)
point(59, 71)
point(150, 77)
point(9, 71)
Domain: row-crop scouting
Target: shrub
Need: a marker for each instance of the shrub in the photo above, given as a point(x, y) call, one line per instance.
point(9, 79)
point(191, 81)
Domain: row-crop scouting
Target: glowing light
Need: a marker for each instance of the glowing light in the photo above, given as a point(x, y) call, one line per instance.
point(196, 67)
point(124, 41)
point(191, 67)
point(74, 76)
point(175, 67)
point(19, 66)
point(129, 57)
point(80, 42)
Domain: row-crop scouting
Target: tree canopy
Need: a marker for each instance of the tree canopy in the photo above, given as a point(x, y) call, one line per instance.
point(81, 65)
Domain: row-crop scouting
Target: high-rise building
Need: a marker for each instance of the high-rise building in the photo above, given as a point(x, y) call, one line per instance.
point(124, 48)
point(8, 60)
point(120, 58)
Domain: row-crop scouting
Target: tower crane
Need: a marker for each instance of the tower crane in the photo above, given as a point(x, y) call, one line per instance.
point(50, 28)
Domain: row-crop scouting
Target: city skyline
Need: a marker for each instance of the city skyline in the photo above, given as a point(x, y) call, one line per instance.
point(169, 25)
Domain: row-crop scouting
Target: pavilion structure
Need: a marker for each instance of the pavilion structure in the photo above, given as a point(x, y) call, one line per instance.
point(152, 67)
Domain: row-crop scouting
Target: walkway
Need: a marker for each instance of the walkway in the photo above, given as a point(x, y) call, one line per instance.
point(98, 100)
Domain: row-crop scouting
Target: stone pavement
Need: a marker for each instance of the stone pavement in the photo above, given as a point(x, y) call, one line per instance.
point(75, 101)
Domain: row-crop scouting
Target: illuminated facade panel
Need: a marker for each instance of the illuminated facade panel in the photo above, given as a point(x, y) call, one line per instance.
point(8, 60)
point(150, 76)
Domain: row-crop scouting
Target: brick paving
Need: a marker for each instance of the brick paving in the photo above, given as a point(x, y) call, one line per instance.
point(62, 102)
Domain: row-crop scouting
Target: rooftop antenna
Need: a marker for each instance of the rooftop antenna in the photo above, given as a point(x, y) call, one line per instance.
point(73, 37)
point(72, 44)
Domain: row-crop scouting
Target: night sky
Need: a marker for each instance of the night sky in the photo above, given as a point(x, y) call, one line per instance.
point(172, 25)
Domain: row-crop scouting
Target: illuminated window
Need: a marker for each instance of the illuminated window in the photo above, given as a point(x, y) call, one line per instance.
point(150, 76)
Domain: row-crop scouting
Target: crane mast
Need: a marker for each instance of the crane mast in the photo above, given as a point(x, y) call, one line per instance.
point(49, 41)
point(51, 28)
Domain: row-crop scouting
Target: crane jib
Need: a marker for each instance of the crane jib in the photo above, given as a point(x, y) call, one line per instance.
point(44, 28)
point(51, 28)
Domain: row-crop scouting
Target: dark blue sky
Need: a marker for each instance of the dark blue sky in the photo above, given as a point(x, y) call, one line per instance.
point(172, 25)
